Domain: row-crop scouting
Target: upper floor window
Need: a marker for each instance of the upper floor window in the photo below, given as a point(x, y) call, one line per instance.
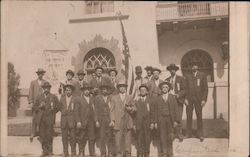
point(94, 7)
point(193, 8)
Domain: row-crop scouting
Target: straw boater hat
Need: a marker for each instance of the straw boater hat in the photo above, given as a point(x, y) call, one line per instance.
point(172, 67)
point(46, 84)
point(121, 83)
point(70, 72)
point(143, 85)
point(80, 72)
point(40, 71)
point(69, 85)
point(156, 69)
point(165, 83)
point(99, 67)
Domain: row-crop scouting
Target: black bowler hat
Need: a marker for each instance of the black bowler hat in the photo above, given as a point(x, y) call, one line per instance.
point(70, 72)
point(40, 71)
point(143, 85)
point(148, 68)
point(80, 72)
point(172, 67)
point(165, 83)
point(46, 84)
point(156, 69)
point(99, 67)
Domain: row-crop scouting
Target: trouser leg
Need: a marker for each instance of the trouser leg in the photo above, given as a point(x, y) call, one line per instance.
point(163, 136)
point(65, 140)
point(189, 111)
point(91, 137)
point(118, 139)
point(111, 143)
point(198, 111)
point(72, 141)
point(139, 143)
point(103, 140)
point(170, 137)
point(128, 140)
point(147, 141)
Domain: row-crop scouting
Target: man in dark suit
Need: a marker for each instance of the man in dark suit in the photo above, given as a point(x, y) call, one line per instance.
point(99, 80)
point(70, 80)
point(121, 112)
point(70, 119)
point(87, 119)
point(143, 121)
point(165, 118)
point(46, 105)
point(197, 91)
point(80, 82)
point(153, 84)
point(149, 73)
point(103, 121)
point(114, 80)
point(35, 90)
point(179, 90)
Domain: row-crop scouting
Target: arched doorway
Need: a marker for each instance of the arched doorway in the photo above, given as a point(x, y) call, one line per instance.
point(98, 57)
point(200, 57)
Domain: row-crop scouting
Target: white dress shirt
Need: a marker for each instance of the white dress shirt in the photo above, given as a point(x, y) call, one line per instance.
point(157, 82)
point(122, 96)
point(165, 97)
point(86, 98)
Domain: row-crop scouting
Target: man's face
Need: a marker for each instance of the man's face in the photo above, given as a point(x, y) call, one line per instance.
point(40, 75)
point(81, 77)
point(156, 75)
point(98, 72)
point(69, 76)
point(105, 91)
point(46, 90)
point(172, 72)
point(165, 89)
point(86, 92)
point(68, 91)
point(122, 89)
point(138, 74)
point(149, 73)
point(112, 74)
point(143, 91)
point(93, 75)
point(195, 68)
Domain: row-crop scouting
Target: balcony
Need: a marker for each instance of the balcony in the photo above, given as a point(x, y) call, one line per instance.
point(166, 12)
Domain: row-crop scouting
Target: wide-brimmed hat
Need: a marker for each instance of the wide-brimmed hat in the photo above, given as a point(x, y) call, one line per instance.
point(70, 72)
point(143, 85)
point(165, 83)
point(80, 72)
point(40, 71)
point(69, 85)
point(86, 86)
point(172, 67)
point(116, 72)
point(138, 69)
point(156, 69)
point(148, 68)
point(46, 84)
point(105, 86)
point(121, 83)
point(99, 67)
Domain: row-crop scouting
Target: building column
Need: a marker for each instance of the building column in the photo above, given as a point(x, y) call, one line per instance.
point(239, 80)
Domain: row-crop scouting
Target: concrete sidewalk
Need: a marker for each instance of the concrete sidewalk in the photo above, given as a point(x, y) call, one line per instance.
point(211, 147)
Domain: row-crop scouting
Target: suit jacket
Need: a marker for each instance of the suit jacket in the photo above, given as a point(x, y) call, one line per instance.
point(86, 111)
point(102, 109)
point(114, 84)
point(96, 84)
point(154, 90)
point(35, 90)
point(159, 103)
point(179, 87)
point(46, 107)
point(197, 86)
point(143, 112)
point(119, 114)
point(70, 115)
point(78, 86)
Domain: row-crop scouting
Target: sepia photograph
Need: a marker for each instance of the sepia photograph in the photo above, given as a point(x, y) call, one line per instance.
point(125, 78)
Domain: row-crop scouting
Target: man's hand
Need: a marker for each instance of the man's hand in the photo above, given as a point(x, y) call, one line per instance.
point(175, 124)
point(152, 126)
point(97, 124)
point(156, 126)
point(203, 103)
point(112, 124)
point(186, 102)
point(78, 125)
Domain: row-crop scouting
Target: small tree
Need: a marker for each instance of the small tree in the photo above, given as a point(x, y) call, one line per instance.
point(13, 90)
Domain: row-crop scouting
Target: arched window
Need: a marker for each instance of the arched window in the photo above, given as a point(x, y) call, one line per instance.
point(99, 57)
point(202, 59)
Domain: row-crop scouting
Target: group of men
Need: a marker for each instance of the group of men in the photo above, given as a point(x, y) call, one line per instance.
point(101, 111)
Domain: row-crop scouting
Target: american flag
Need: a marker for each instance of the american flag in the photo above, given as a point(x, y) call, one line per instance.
point(127, 67)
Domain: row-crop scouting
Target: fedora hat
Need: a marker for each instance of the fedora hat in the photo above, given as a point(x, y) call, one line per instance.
point(121, 83)
point(46, 84)
point(80, 72)
point(172, 67)
point(143, 85)
point(148, 68)
point(165, 83)
point(69, 85)
point(116, 72)
point(40, 71)
point(105, 86)
point(99, 67)
point(86, 86)
point(70, 72)
point(156, 69)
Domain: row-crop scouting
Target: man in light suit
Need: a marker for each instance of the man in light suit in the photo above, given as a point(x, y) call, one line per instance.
point(47, 106)
point(179, 90)
point(153, 84)
point(197, 91)
point(70, 119)
point(122, 112)
point(165, 118)
point(35, 90)
point(99, 80)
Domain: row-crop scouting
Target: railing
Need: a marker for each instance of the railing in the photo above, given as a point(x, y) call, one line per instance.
point(190, 10)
